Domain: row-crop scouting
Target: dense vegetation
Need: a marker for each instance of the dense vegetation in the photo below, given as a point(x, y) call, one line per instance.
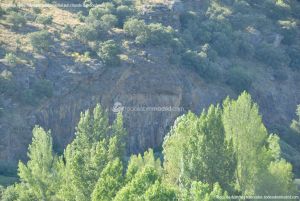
point(225, 151)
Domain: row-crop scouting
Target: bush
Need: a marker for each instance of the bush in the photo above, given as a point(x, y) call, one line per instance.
point(17, 20)
point(294, 54)
point(40, 40)
point(108, 21)
point(134, 27)
point(97, 12)
point(7, 87)
point(86, 33)
point(123, 12)
point(2, 12)
point(200, 63)
point(11, 59)
point(160, 35)
point(36, 10)
point(223, 44)
point(43, 88)
point(271, 56)
point(44, 20)
point(239, 80)
point(80, 16)
point(109, 52)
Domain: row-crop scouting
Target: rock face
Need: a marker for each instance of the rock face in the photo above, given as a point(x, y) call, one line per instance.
point(140, 87)
point(152, 95)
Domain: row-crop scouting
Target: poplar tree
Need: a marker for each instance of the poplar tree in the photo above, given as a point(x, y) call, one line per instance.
point(202, 153)
point(40, 174)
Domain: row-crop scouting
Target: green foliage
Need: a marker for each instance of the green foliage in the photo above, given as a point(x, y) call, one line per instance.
point(136, 29)
point(86, 33)
point(123, 12)
point(239, 79)
point(43, 88)
point(213, 159)
point(11, 59)
point(223, 44)
point(296, 123)
point(256, 152)
point(294, 54)
point(97, 12)
point(158, 34)
point(216, 151)
point(40, 175)
point(99, 21)
point(109, 183)
point(2, 12)
point(96, 145)
point(108, 21)
point(161, 192)
point(138, 186)
point(109, 52)
point(17, 20)
point(202, 191)
point(271, 56)
point(40, 40)
point(44, 19)
point(36, 10)
point(201, 63)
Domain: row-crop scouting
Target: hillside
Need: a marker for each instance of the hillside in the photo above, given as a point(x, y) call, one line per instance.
point(59, 61)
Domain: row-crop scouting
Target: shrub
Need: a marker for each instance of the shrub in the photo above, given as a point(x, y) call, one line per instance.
point(108, 21)
point(43, 88)
point(123, 12)
point(80, 16)
point(40, 40)
point(11, 59)
point(134, 27)
point(2, 12)
point(294, 54)
point(17, 20)
point(97, 12)
point(7, 87)
point(36, 10)
point(160, 35)
point(109, 52)
point(45, 20)
point(138, 29)
point(200, 63)
point(223, 44)
point(86, 33)
point(239, 80)
point(271, 56)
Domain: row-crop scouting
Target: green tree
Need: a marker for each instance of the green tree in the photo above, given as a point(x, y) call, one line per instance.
point(109, 183)
point(137, 187)
point(258, 154)
point(138, 162)
point(95, 145)
point(109, 52)
point(160, 191)
point(203, 191)
point(203, 153)
point(40, 174)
